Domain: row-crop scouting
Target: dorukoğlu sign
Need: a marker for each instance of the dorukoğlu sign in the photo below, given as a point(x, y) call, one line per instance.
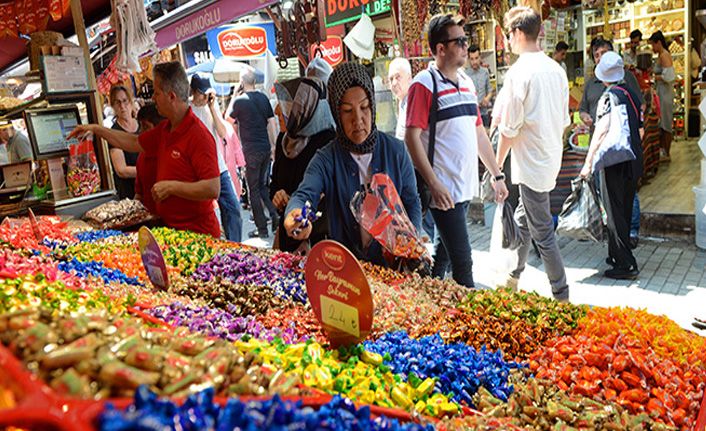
point(215, 14)
point(331, 50)
point(242, 41)
point(342, 11)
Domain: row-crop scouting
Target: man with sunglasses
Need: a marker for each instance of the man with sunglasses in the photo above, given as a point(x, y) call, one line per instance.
point(460, 139)
point(533, 116)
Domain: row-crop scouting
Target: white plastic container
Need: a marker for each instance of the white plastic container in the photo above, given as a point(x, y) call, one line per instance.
point(700, 222)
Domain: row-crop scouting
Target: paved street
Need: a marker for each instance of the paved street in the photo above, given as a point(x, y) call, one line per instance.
point(672, 279)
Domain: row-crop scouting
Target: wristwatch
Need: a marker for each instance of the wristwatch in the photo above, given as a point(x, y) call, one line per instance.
point(500, 177)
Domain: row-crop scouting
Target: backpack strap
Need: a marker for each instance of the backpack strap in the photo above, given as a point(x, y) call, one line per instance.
point(627, 93)
point(433, 113)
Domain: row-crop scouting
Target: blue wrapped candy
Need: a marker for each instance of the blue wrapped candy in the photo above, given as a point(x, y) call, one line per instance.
point(459, 369)
point(96, 269)
point(96, 235)
point(199, 412)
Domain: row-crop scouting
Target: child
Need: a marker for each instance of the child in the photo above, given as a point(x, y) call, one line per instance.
point(147, 166)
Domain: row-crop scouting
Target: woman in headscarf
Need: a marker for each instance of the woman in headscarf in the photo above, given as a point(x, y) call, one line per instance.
point(310, 127)
point(348, 163)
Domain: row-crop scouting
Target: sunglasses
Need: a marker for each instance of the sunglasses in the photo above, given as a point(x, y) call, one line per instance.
point(509, 33)
point(460, 41)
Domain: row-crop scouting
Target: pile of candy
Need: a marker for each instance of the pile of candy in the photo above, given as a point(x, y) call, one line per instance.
point(461, 369)
point(117, 214)
point(200, 412)
point(101, 357)
point(77, 309)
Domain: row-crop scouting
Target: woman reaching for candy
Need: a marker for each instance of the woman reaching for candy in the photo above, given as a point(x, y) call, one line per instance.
point(348, 163)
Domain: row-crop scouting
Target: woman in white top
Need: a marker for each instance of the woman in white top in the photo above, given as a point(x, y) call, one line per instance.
point(664, 84)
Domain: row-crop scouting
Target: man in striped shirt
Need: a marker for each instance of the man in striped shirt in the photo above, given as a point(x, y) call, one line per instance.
point(459, 140)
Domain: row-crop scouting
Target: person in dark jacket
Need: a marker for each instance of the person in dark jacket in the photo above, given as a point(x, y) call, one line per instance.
point(310, 127)
point(618, 182)
point(348, 163)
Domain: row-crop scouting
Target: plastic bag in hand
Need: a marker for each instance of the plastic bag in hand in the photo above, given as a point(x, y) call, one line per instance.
point(512, 240)
point(503, 259)
point(581, 216)
point(381, 213)
point(82, 176)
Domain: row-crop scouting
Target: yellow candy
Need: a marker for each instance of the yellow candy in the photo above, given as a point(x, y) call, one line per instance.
point(425, 387)
point(371, 358)
point(448, 408)
point(400, 398)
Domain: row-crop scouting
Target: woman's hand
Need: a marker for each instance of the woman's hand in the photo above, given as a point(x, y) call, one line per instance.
point(280, 200)
point(294, 228)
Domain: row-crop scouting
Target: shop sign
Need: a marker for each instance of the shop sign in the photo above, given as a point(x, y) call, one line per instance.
point(196, 51)
point(242, 41)
point(342, 11)
point(339, 293)
point(152, 258)
point(213, 15)
point(331, 50)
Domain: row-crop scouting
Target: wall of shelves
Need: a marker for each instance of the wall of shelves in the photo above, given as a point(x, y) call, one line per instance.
point(669, 16)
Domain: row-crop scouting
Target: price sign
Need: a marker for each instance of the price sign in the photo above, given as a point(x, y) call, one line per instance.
point(35, 226)
point(339, 293)
point(152, 258)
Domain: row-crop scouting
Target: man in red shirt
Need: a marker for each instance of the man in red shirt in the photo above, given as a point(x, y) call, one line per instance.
point(187, 177)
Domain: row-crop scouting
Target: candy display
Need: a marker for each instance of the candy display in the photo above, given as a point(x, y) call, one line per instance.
point(234, 342)
point(99, 357)
point(200, 412)
point(114, 214)
point(461, 369)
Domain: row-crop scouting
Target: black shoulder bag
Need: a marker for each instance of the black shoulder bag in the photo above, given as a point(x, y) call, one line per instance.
point(422, 186)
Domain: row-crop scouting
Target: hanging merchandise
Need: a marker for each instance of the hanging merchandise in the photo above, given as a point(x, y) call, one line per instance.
point(110, 76)
point(8, 23)
point(302, 27)
point(361, 39)
point(134, 34)
point(411, 30)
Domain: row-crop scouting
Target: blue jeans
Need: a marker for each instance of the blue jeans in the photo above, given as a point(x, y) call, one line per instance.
point(453, 245)
point(428, 225)
point(229, 205)
point(635, 222)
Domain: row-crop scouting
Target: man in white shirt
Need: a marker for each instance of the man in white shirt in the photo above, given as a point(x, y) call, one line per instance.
point(534, 114)
point(460, 139)
point(205, 107)
point(400, 75)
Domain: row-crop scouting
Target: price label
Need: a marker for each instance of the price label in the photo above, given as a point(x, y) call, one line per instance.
point(340, 315)
point(339, 293)
point(152, 259)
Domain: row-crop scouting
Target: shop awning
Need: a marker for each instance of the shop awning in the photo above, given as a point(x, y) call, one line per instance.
point(12, 50)
point(196, 18)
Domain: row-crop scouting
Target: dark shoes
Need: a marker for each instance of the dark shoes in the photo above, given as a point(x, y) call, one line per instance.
point(622, 273)
point(633, 242)
point(258, 234)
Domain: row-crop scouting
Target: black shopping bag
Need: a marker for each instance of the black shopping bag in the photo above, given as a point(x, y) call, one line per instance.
point(581, 216)
point(512, 239)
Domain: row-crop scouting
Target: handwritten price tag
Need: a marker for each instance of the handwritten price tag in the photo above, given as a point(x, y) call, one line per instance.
point(339, 293)
point(340, 315)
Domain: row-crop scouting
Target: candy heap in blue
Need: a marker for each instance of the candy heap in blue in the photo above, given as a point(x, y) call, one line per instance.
point(84, 269)
point(461, 370)
point(199, 412)
point(96, 235)
point(246, 268)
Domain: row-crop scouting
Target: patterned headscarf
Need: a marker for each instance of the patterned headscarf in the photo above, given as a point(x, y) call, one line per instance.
point(309, 115)
point(344, 77)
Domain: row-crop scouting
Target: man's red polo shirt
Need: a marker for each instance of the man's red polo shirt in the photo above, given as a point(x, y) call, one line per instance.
point(187, 154)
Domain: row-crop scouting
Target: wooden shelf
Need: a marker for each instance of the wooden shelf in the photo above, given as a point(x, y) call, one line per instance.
point(613, 21)
point(667, 12)
point(668, 34)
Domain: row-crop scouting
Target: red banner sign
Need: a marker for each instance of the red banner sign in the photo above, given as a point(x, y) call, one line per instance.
point(331, 50)
point(339, 293)
point(243, 42)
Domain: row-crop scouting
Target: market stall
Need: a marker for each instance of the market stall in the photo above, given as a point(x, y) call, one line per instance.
point(85, 335)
